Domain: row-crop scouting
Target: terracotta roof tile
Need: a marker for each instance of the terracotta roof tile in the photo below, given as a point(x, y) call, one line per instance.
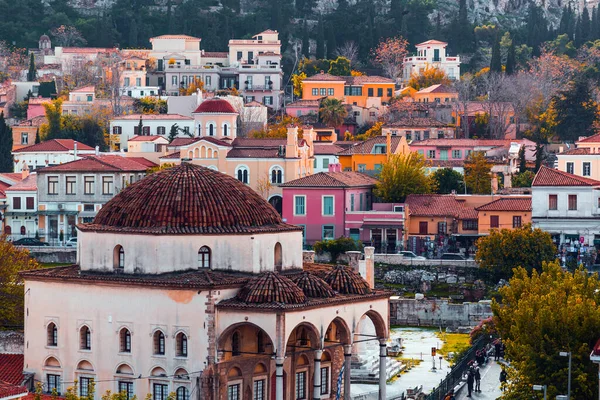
point(215, 204)
point(327, 149)
point(254, 153)
point(11, 368)
point(439, 88)
point(324, 77)
point(365, 79)
point(183, 141)
point(304, 103)
point(438, 205)
point(270, 287)
point(173, 156)
point(344, 280)
point(590, 139)
point(85, 89)
point(215, 106)
point(508, 204)
point(432, 41)
point(104, 163)
point(313, 286)
point(366, 147)
point(9, 390)
point(420, 122)
point(175, 37)
point(54, 145)
point(553, 177)
point(344, 179)
point(28, 184)
point(140, 138)
point(215, 54)
point(153, 117)
point(575, 152)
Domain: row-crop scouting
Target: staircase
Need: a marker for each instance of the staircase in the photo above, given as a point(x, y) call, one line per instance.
point(365, 368)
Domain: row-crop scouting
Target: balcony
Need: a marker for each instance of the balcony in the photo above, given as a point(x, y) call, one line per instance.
point(258, 88)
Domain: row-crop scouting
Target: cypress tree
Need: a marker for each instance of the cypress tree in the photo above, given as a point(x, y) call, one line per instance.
point(571, 22)
point(496, 61)
point(38, 139)
point(578, 32)
point(594, 24)
point(331, 43)
point(140, 127)
point(6, 143)
point(32, 73)
point(464, 28)
point(585, 25)
point(522, 160)
point(320, 41)
point(511, 59)
point(305, 41)
point(563, 26)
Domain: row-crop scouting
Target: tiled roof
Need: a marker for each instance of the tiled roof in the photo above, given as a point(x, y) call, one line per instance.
point(39, 100)
point(324, 77)
point(175, 37)
point(249, 142)
point(85, 89)
point(438, 205)
point(344, 280)
point(365, 79)
point(11, 176)
point(575, 152)
point(439, 88)
point(553, 177)
point(215, 54)
point(305, 103)
point(344, 179)
point(464, 142)
point(11, 368)
point(173, 156)
point(89, 50)
point(327, 149)
point(347, 143)
point(590, 139)
point(143, 161)
point(188, 199)
point(28, 184)
point(313, 286)
point(215, 106)
point(152, 117)
point(366, 147)
point(183, 141)
point(9, 390)
point(446, 163)
point(508, 204)
point(254, 103)
point(432, 41)
point(218, 142)
point(254, 153)
point(140, 138)
point(268, 31)
point(101, 164)
point(54, 145)
point(270, 287)
point(417, 122)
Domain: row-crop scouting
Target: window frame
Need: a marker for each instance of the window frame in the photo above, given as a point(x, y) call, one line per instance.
point(553, 202)
point(108, 184)
point(586, 165)
point(572, 206)
point(88, 380)
point(296, 213)
point(570, 167)
point(56, 383)
point(300, 391)
point(71, 185)
point(325, 383)
point(326, 227)
point(128, 385)
point(53, 181)
point(164, 393)
point(494, 221)
point(517, 221)
point(204, 257)
point(323, 198)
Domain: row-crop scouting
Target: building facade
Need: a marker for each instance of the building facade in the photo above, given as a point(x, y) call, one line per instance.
point(431, 54)
point(49, 153)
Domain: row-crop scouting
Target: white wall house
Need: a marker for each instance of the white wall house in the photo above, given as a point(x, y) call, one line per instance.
point(22, 209)
point(431, 53)
point(125, 127)
point(48, 153)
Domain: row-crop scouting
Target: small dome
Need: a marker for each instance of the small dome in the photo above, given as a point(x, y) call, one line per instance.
point(44, 37)
point(217, 106)
point(313, 286)
point(344, 280)
point(188, 199)
point(270, 287)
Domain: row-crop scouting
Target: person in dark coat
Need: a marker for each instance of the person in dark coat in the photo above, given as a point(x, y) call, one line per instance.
point(497, 347)
point(502, 379)
point(470, 381)
point(477, 380)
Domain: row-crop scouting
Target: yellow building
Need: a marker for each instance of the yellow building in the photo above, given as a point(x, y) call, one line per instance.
point(583, 160)
point(363, 91)
point(372, 153)
point(504, 213)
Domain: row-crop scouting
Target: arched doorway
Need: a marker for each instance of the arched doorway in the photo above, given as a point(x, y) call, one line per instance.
point(277, 202)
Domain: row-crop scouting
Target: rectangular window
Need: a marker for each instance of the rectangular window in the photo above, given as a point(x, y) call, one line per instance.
point(355, 234)
point(146, 130)
point(315, 92)
point(553, 202)
point(161, 130)
point(208, 80)
point(470, 225)
point(160, 391)
point(494, 221)
point(442, 228)
point(88, 207)
point(370, 92)
point(300, 385)
point(456, 154)
point(425, 135)
point(587, 169)
point(572, 202)
point(390, 92)
point(362, 167)
point(379, 92)
point(356, 91)
point(24, 138)
point(408, 135)
point(126, 82)
point(259, 390)
point(53, 383)
point(30, 203)
point(423, 228)
point(84, 384)
point(88, 185)
point(570, 168)
point(516, 221)
point(352, 202)
point(174, 80)
point(324, 380)
point(328, 232)
point(107, 185)
point(300, 205)
point(323, 92)
point(268, 100)
point(327, 205)
point(430, 153)
point(138, 82)
point(239, 55)
point(53, 185)
point(330, 92)
point(16, 203)
point(325, 163)
point(361, 202)
point(233, 392)
point(127, 389)
point(70, 182)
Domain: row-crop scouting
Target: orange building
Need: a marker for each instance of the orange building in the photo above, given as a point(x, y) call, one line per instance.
point(363, 91)
point(369, 155)
point(504, 213)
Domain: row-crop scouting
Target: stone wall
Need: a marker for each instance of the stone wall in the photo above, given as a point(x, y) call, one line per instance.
point(11, 342)
point(430, 312)
point(398, 259)
point(55, 255)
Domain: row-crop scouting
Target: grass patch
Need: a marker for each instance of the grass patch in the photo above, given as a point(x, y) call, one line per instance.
point(409, 362)
point(455, 343)
point(52, 265)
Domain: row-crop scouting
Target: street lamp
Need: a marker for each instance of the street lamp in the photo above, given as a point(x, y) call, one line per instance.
point(540, 388)
point(567, 354)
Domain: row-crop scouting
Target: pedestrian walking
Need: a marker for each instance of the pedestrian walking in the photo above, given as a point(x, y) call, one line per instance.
point(497, 348)
point(502, 379)
point(477, 380)
point(470, 381)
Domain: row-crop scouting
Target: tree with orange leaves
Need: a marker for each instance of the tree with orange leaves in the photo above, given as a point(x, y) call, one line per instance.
point(389, 55)
point(428, 77)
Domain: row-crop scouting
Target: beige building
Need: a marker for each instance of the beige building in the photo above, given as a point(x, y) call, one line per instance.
point(583, 160)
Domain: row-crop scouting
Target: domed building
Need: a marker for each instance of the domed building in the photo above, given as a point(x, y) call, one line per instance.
point(188, 282)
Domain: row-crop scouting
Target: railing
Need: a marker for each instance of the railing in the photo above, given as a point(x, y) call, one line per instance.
point(259, 87)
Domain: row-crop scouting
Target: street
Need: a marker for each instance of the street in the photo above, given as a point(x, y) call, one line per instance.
point(490, 383)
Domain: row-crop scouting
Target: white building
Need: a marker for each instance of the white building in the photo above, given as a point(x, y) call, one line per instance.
point(21, 213)
point(326, 156)
point(431, 53)
point(125, 127)
point(49, 153)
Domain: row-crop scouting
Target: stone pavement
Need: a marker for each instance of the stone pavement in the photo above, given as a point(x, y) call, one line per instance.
point(490, 383)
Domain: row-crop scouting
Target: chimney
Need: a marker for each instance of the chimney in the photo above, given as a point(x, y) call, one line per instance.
point(308, 256)
point(75, 150)
point(24, 172)
point(97, 151)
point(335, 167)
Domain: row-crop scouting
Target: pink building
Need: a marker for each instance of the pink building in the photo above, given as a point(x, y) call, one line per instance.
point(36, 107)
point(302, 107)
point(381, 227)
point(459, 149)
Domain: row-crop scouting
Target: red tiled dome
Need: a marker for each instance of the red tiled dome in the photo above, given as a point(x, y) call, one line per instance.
point(188, 199)
point(215, 106)
point(344, 280)
point(313, 286)
point(270, 287)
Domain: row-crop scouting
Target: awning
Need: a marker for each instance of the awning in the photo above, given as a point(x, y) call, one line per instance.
point(21, 213)
point(87, 214)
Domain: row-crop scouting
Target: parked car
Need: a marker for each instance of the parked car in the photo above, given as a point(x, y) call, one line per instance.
point(410, 254)
point(452, 256)
point(71, 242)
point(29, 242)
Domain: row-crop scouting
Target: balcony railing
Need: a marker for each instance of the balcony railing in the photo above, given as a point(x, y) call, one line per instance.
point(250, 87)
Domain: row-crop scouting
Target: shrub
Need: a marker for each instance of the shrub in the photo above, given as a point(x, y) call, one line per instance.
point(338, 246)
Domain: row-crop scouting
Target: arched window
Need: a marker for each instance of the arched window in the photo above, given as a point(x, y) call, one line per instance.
point(242, 174)
point(225, 129)
point(182, 345)
point(211, 129)
point(52, 333)
point(235, 344)
point(159, 343)
point(125, 341)
point(276, 175)
point(204, 257)
point(182, 393)
point(278, 257)
point(85, 338)
point(119, 258)
point(23, 230)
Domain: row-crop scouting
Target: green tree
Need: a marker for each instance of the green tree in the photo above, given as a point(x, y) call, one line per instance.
point(522, 160)
point(305, 40)
point(576, 110)
point(338, 246)
point(542, 314)
point(511, 59)
point(320, 52)
point(173, 132)
point(447, 180)
point(401, 175)
point(478, 174)
point(53, 116)
point(6, 143)
point(38, 138)
point(32, 73)
point(524, 179)
point(140, 127)
point(585, 25)
point(503, 250)
point(496, 61)
point(18, 109)
point(332, 112)
point(12, 261)
point(340, 67)
point(331, 43)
